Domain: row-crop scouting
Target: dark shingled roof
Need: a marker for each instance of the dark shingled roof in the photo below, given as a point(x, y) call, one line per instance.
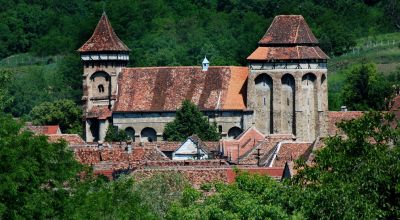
point(288, 38)
point(288, 29)
point(103, 38)
point(164, 88)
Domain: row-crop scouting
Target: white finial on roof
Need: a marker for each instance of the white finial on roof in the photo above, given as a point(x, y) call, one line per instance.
point(205, 63)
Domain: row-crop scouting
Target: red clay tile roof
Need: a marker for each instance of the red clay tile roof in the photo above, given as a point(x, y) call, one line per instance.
point(395, 108)
point(44, 129)
point(287, 53)
point(288, 29)
point(336, 117)
point(292, 152)
point(100, 112)
point(103, 38)
point(236, 148)
point(71, 139)
point(288, 38)
point(164, 88)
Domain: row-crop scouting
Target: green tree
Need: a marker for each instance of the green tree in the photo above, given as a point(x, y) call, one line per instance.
point(5, 78)
point(64, 113)
point(188, 121)
point(365, 89)
point(32, 172)
point(113, 134)
point(356, 177)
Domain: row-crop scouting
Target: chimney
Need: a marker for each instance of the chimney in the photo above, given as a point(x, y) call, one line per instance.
point(343, 108)
point(129, 147)
point(205, 64)
point(100, 144)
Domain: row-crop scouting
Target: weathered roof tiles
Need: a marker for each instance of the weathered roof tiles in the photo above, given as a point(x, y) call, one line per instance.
point(288, 38)
point(104, 39)
point(164, 88)
point(288, 29)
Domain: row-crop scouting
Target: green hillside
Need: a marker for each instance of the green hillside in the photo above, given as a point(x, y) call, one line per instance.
point(383, 50)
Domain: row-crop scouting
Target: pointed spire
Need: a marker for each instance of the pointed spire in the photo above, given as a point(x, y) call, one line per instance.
point(205, 63)
point(103, 38)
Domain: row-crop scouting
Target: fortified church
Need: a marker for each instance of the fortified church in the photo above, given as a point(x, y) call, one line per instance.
point(282, 91)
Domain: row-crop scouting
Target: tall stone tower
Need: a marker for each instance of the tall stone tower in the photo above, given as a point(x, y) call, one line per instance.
point(103, 57)
point(287, 84)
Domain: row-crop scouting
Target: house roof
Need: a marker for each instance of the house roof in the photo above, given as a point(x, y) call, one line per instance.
point(164, 88)
point(288, 29)
point(44, 129)
point(245, 142)
point(335, 117)
point(103, 38)
point(288, 53)
point(291, 152)
point(71, 139)
point(100, 112)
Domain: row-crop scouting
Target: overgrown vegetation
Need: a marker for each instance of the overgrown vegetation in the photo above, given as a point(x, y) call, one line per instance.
point(64, 113)
point(113, 134)
point(356, 177)
point(361, 87)
point(188, 121)
point(163, 32)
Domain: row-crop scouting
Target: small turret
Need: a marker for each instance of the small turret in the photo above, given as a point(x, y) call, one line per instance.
point(205, 64)
point(104, 45)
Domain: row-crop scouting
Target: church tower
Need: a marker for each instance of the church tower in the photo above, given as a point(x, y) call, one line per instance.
point(103, 56)
point(287, 84)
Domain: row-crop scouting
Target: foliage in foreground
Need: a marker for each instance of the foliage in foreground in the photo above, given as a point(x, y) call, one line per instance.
point(188, 121)
point(32, 173)
point(64, 113)
point(113, 134)
point(357, 177)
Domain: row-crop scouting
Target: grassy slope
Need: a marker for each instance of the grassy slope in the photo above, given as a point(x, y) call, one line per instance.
point(379, 49)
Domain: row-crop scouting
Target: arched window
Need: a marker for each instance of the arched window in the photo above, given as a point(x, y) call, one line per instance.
point(131, 133)
point(234, 132)
point(101, 88)
point(148, 135)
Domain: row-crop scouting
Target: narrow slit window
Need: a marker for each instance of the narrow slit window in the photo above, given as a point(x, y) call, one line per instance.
point(101, 88)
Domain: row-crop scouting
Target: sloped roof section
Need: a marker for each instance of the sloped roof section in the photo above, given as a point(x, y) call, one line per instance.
point(288, 38)
point(104, 38)
point(100, 112)
point(287, 53)
point(44, 129)
point(164, 88)
point(288, 29)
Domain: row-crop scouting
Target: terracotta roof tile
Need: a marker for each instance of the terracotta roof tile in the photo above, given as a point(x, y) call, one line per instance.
point(287, 53)
point(71, 139)
point(44, 129)
point(335, 117)
point(100, 112)
point(395, 109)
point(103, 38)
point(291, 152)
point(288, 29)
point(236, 148)
point(164, 88)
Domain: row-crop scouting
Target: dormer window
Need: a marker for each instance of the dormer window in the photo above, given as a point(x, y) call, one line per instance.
point(101, 88)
